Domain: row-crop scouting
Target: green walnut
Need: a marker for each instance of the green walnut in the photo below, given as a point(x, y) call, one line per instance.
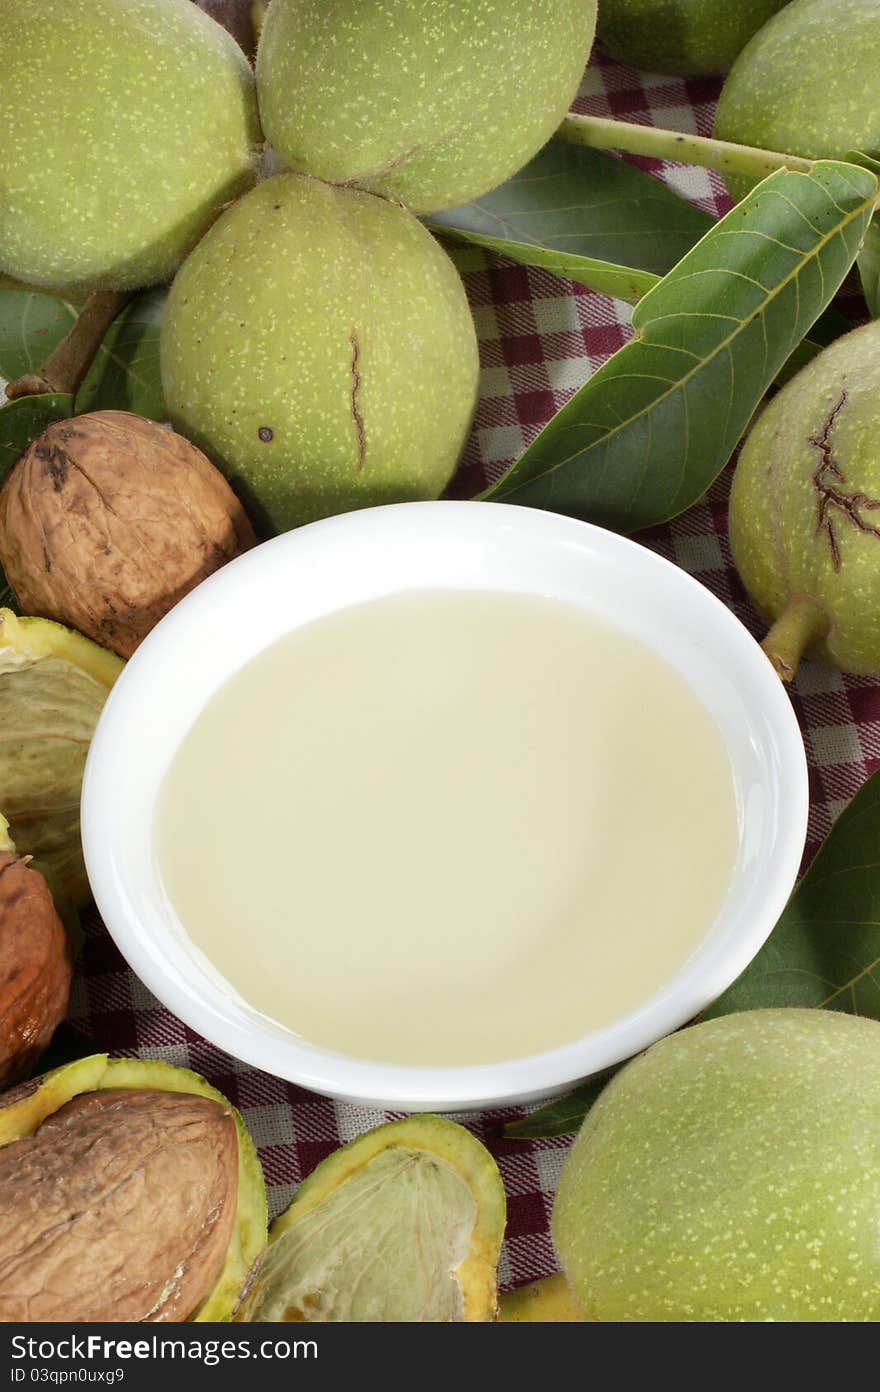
point(318, 346)
point(805, 510)
point(687, 38)
point(730, 1174)
point(431, 102)
point(129, 1190)
point(807, 84)
point(126, 127)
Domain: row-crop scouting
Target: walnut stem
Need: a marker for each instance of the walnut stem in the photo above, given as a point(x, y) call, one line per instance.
point(602, 133)
point(65, 371)
point(802, 623)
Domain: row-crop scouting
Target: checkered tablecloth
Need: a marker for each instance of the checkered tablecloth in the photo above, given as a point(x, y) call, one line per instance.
point(540, 338)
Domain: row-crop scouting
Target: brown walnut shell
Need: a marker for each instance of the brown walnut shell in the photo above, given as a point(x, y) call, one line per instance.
point(121, 1206)
point(107, 520)
point(35, 968)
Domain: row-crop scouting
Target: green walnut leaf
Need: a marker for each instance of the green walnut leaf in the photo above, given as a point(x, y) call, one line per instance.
point(823, 954)
point(125, 374)
point(869, 258)
point(826, 329)
point(584, 215)
point(869, 269)
point(32, 325)
point(825, 950)
point(866, 161)
point(558, 1118)
point(652, 429)
point(618, 282)
point(20, 422)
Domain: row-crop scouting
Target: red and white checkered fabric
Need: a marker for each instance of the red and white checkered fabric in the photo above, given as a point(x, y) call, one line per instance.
point(540, 338)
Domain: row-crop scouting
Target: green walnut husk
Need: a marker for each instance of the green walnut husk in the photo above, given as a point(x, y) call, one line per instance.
point(319, 347)
point(805, 511)
point(429, 105)
point(53, 685)
point(127, 125)
point(549, 1301)
point(807, 84)
point(24, 1109)
point(402, 1225)
point(687, 38)
point(730, 1174)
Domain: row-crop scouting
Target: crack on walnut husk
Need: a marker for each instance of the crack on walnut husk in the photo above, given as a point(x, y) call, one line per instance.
point(356, 384)
point(834, 502)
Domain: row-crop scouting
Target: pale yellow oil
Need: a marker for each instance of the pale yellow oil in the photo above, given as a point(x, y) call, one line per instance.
point(449, 827)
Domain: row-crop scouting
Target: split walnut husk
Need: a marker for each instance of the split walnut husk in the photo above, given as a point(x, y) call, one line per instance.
point(35, 963)
point(129, 1190)
point(53, 685)
point(402, 1225)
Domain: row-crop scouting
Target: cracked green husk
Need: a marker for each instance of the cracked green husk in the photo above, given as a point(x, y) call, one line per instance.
point(318, 346)
point(805, 510)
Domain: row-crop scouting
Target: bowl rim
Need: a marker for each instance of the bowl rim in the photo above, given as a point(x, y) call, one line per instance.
point(413, 1087)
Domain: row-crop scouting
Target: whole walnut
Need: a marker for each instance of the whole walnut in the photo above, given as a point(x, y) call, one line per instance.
point(120, 1206)
point(107, 520)
point(35, 964)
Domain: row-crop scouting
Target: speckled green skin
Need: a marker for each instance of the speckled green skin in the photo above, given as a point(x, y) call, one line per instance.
point(432, 102)
point(805, 502)
point(684, 37)
point(319, 346)
point(807, 84)
point(125, 127)
point(731, 1174)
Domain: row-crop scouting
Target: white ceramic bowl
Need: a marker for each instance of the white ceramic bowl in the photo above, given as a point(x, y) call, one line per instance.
point(346, 560)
